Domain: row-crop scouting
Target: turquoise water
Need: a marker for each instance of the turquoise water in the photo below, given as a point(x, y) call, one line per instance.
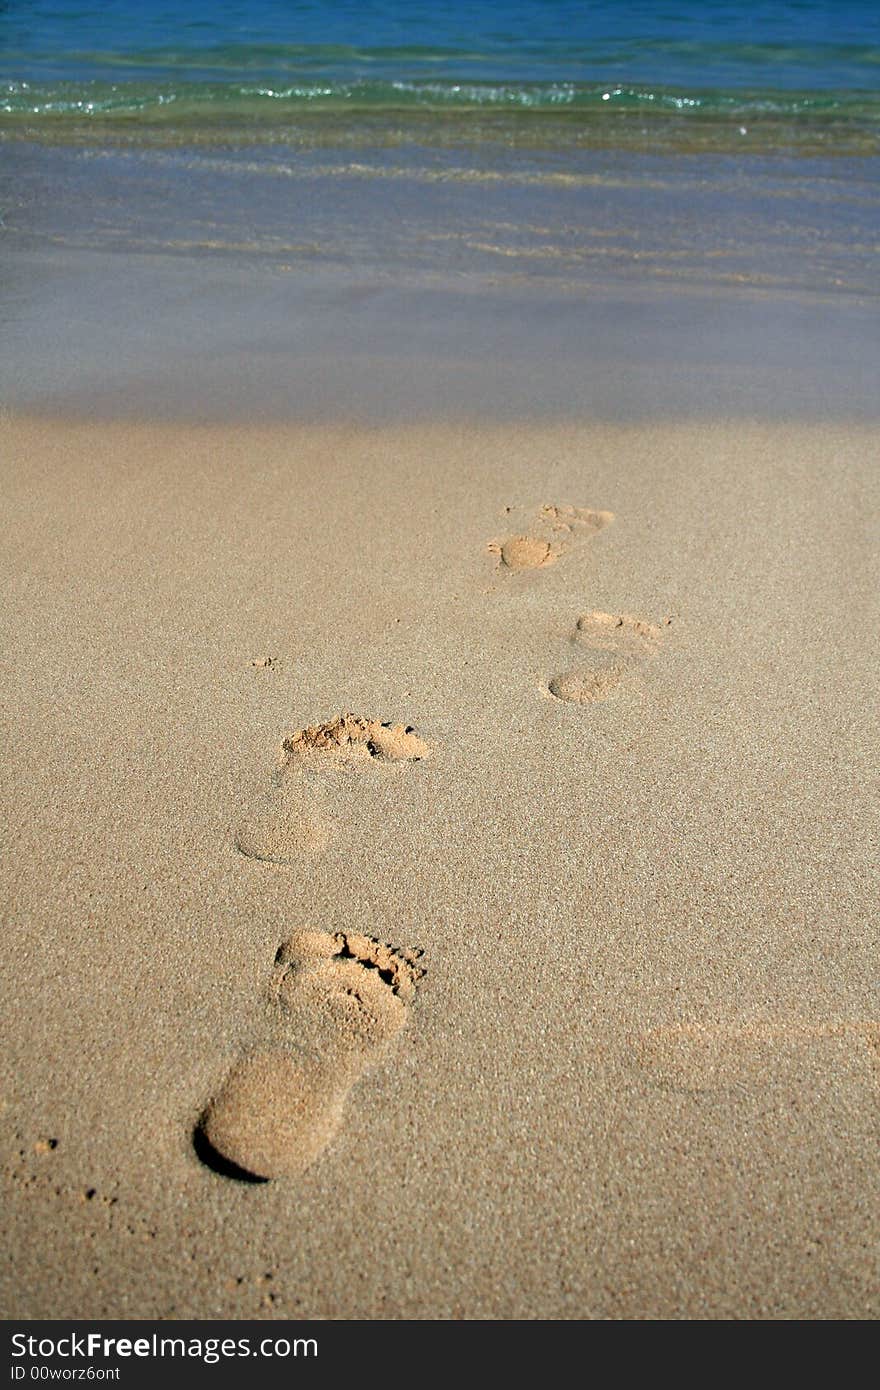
point(694, 141)
point(279, 207)
point(793, 74)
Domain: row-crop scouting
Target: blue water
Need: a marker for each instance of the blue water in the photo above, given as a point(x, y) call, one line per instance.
point(617, 69)
point(262, 172)
point(782, 44)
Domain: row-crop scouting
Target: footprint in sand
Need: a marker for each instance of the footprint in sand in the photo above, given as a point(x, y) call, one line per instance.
point(695, 1059)
point(554, 531)
point(336, 1001)
point(612, 645)
point(294, 818)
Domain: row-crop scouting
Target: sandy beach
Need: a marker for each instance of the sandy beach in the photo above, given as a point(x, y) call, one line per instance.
point(607, 790)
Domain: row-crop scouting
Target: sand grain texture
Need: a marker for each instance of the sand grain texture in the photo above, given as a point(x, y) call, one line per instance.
point(338, 1001)
point(642, 1078)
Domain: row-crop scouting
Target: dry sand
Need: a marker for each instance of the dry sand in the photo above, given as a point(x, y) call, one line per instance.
point(632, 835)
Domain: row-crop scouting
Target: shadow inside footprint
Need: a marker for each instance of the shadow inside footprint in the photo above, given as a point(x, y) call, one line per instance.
point(211, 1158)
point(337, 1000)
point(351, 736)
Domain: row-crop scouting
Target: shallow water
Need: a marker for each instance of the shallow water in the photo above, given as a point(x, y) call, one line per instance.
point(584, 220)
point(379, 209)
point(644, 74)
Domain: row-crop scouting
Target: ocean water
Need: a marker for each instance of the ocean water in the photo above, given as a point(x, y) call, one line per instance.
point(646, 74)
point(511, 204)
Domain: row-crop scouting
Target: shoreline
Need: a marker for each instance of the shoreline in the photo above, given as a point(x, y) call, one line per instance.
point(438, 450)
